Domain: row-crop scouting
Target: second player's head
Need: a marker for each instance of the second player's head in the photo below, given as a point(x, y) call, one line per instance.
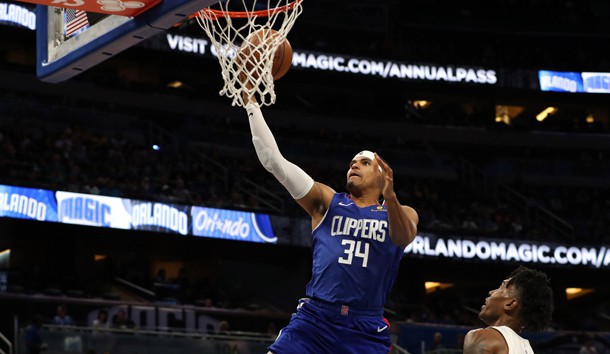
point(524, 300)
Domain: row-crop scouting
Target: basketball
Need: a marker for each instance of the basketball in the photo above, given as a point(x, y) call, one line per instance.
point(282, 58)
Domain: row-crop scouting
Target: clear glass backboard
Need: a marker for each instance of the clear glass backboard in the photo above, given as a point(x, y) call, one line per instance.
point(70, 41)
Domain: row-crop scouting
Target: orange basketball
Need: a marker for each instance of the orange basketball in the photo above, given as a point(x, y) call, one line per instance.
point(282, 58)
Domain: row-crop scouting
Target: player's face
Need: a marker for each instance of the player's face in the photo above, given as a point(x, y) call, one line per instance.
point(361, 172)
point(495, 303)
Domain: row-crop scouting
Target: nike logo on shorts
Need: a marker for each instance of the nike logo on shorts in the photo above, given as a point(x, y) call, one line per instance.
point(381, 329)
point(343, 204)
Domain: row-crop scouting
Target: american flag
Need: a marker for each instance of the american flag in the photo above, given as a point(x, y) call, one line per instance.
point(76, 21)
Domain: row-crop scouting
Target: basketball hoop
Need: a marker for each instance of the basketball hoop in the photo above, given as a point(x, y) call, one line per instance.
point(228, 29)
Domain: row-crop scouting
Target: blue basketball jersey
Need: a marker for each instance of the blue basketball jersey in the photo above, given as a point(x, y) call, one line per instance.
point(354, 261)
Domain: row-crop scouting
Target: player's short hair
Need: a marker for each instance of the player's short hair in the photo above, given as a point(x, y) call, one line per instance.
point(369, 155)
point(536, 296)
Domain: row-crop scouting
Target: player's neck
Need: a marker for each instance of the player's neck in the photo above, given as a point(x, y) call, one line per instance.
point(512, 324)
point(364, 200)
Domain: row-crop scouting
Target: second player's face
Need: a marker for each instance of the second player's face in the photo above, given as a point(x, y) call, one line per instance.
point(495, 303)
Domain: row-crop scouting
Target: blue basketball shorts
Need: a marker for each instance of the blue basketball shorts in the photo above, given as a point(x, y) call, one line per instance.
point(323, 328)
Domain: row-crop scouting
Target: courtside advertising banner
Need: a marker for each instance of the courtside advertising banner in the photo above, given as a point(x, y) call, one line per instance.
point(160, 217)
point(574, 82)
point(27, 203)
point(596, 82)
point(129, 214)
point(558, 81)
point(17, 15)
point(232, 225)
point(519, 251)
point(121, 213)
point(93, 210)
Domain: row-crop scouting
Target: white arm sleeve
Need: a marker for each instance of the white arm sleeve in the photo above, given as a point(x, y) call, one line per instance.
point(292, 177)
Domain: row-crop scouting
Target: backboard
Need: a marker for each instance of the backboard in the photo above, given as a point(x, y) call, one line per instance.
point(70, 41)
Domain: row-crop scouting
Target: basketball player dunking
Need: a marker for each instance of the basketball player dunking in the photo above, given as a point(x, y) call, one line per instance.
point(523, 301)
point(357, 247)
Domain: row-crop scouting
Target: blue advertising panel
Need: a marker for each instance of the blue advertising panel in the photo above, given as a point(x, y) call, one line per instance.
point(93, 210)
point(27, 203)
point(232, 225)
point(120, 213)
point(596, 82)
point(560, 81)
point(20, 15)
point(160, 217)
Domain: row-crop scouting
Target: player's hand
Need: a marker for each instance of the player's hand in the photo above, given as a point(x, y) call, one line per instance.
point(388, 178)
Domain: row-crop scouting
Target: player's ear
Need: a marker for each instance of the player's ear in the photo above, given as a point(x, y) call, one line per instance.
point(511, 304)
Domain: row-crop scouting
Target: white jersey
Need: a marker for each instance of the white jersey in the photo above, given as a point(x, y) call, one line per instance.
point(516, 343)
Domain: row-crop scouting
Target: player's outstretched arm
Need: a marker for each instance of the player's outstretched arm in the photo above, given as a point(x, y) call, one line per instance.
point(312, 196)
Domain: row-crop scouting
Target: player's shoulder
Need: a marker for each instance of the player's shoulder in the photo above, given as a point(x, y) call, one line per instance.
point(484, 340)
point(473, 334)
point(485, 332)
point(341, 197)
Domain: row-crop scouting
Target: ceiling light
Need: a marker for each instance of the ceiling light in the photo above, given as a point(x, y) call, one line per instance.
point(421, 104)
point(590, 118)
point(505, 114)
point(544, 114)
point(572, 293)
point(432, 286)
point(175, 84)
point(5, 258)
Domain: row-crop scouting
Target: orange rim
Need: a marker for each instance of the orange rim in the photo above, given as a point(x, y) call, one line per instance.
point(246, 14)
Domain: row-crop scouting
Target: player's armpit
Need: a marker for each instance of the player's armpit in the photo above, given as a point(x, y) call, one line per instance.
point(317, 200)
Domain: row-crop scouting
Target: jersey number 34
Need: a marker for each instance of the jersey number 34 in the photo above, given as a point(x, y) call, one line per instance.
point(355, 249)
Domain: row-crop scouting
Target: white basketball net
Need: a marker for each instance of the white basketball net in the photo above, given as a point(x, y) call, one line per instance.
point(250, 74)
